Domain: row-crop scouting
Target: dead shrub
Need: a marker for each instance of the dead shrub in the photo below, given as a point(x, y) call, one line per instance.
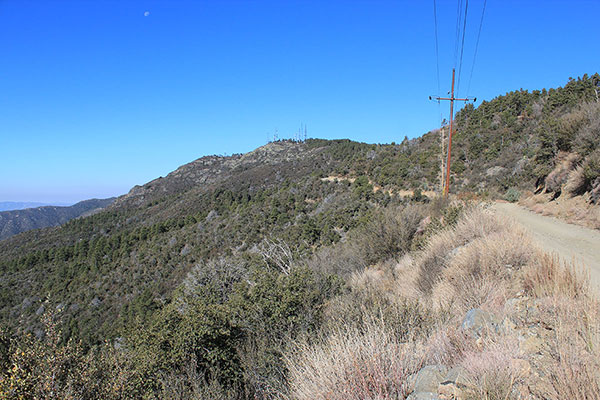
point(548, 277)
point(492, 372)
point(372, 295)
point(573, 374)
point(558, 177)
point(481, 272)
point(474, 223)
point(576, 182)
point(352, 364)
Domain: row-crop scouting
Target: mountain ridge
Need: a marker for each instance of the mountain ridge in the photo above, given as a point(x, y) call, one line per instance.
point(236, 254)
point(13, 222)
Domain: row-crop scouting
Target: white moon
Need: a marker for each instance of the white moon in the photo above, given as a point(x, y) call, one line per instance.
point(146, 13)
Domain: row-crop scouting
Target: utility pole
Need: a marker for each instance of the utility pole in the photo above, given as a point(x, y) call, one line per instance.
point(451, 99)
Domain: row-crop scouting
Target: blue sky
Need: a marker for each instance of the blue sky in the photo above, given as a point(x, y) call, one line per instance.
point(96, 96)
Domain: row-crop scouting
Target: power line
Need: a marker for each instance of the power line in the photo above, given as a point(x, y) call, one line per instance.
point(457, 29)
point(462, 47)
point(437, 57)
point(476, 47)
point(437, 54)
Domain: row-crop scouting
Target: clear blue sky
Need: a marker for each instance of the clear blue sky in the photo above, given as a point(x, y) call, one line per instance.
point(97, 96)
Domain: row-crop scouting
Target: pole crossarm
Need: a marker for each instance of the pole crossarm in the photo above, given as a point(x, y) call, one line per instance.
point(453, 98)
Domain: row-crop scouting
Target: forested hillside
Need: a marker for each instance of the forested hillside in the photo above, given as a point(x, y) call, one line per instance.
point(17, 221)
point(195, 282)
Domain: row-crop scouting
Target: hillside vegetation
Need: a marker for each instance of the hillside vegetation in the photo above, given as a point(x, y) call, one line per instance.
point(13, 222)
point(241, 276)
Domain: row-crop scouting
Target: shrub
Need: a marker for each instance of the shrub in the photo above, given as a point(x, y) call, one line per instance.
point(513, 195)
point(586, 139)
point(492, 373)
point(576, 182)
point(558, 177)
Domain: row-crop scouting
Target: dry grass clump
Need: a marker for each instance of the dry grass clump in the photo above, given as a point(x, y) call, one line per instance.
point(370, 363)
point(575, 372)
point(475, 223)
point(576, 182)
point(573, 313)
point(558, 177)
point(448, 345)
point(482, 271)
point(548, 277)
point(373, 295)
point(492, 371)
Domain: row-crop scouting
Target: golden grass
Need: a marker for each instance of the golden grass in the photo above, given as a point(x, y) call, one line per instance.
point(548, 277)
point(353, 365)
point(394, 320)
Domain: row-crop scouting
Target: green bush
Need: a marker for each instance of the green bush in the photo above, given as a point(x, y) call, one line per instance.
point(512, 195)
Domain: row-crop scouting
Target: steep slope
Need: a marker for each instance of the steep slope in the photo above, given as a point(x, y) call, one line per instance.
point(17, 221)
point(148, 240)
point(100, 269)
point(204, 275)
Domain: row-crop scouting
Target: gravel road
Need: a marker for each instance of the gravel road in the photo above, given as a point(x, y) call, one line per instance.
point(570, 242)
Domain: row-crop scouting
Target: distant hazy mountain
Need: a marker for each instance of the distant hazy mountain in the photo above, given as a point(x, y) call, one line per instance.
point(21, 220)
point(20, 205)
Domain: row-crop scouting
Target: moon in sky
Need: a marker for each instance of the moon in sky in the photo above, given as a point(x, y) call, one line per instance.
point(146, 13)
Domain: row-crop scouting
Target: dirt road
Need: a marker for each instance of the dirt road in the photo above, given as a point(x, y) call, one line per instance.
point(571, 242)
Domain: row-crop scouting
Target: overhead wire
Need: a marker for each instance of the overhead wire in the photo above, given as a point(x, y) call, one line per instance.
point(476, 47)
point(457, 29)
point(437, 58)
point(462, 47)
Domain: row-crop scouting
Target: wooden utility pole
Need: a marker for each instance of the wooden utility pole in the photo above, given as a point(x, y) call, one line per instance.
point(451, 99)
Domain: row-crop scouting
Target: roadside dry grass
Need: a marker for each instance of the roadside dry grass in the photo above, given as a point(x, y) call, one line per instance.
point(573, 209)
point(541, 340)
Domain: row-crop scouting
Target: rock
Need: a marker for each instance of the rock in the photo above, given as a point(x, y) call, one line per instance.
point(477, 322)
point(457, 376)
point(187, 249)
point(521, 367)
point(95, 302)
point(429, 378)
point(172, 241)
point(211, 216)
point(410, 382)
point(39, 333)
point(493, 171)
point(424, 396)
point(452, 387)
point(508, 325)
point(531, 345)
point(40, 310)
point(449, 391)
